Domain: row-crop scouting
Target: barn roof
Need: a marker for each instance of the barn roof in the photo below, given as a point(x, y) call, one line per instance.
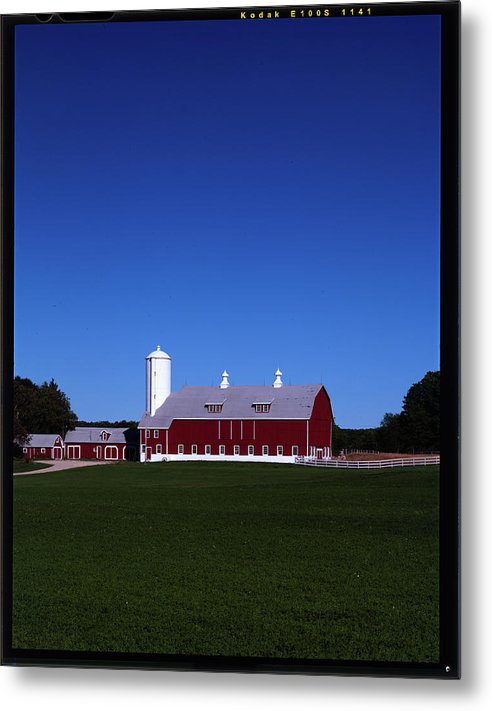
point(42, 440)
point(291, 402)
point(83, 435)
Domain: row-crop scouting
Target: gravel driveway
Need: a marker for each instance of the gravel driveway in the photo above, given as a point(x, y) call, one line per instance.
point(60, 464)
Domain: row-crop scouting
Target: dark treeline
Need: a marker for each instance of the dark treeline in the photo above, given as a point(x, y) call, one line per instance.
point(127, 424)
point(414, 429)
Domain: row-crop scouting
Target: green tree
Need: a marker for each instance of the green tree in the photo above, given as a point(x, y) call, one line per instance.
point(41, 409)
point(420, 416)
point(389, 434)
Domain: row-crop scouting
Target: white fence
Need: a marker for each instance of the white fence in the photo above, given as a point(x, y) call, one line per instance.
point(375, 464)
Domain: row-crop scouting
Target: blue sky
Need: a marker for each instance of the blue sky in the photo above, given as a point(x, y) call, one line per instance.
point(248, 195)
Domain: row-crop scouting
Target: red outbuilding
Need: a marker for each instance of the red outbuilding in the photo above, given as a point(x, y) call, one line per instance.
point(43, 446)
point(110, 444)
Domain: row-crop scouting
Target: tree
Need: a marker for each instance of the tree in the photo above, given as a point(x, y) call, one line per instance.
point(41, 409)
point(421, 414)
point(389, 434)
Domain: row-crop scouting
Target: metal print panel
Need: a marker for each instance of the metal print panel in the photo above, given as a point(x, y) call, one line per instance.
point(230, 339)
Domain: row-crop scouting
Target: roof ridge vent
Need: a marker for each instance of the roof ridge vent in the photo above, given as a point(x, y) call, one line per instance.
point(225, 380)
point(278, 382)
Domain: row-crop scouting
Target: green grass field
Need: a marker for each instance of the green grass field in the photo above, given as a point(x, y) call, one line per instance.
point(229, 559)
point(21, 466)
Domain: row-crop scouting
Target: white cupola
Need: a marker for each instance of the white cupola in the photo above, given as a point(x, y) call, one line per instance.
point(278, 382)
point(158, 385)
point(225, 380)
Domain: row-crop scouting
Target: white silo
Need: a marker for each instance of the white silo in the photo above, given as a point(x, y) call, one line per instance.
point(158, 379)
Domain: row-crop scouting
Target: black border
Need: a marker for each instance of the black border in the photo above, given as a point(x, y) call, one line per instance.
point(449, 664)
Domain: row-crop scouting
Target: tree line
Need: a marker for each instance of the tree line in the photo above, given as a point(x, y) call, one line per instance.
point(414, 429)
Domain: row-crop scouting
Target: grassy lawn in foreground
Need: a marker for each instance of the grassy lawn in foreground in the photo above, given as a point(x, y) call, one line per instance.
point(229, 559)
point(21, 466)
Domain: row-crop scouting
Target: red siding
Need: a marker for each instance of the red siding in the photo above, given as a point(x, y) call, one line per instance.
point(35, 452)
point(89, 450)
point(321, 422)
point(269, 432)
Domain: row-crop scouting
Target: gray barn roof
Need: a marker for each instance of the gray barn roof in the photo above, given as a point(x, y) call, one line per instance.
point(291, 402)
point(83, 435)
point(42, 440)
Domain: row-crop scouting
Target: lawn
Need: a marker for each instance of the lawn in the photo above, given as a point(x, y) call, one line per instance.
point(229, 559)
point(22, 465)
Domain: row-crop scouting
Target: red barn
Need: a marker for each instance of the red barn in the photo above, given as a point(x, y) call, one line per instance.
point(264, 423)
point(43, 446)
point(111, 443)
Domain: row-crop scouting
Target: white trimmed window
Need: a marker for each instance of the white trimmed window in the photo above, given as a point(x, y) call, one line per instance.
point(159, 449)
point(181, 449)
point(208, 449)
point(194, 449)
point(295, 450)
point(43, 450)
point(236, 449)
point(222, 449)
point(147, 434)
point(262, 406)
point(156, 434)
point(24, 450)
point(143, 448)
point(251, 449)
point(280, 450)
point(214, 406)
point(264, 450)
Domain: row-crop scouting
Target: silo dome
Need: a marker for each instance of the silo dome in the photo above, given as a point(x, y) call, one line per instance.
point(159, 354)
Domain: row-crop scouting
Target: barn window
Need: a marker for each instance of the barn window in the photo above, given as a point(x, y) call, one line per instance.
point(222, 449)
point(147, 434)
point(208, 449)
point(181, 449)
point(24, 450)
point(159, 449)
point(194, 449)
point(214, 406)
point(156, 434)
point(236, 449)
point(264, 450)
point(43, 450)
point(142, 448)
point(295, 450)
point(261, 407)
point(280, 450)
point(251, 449)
